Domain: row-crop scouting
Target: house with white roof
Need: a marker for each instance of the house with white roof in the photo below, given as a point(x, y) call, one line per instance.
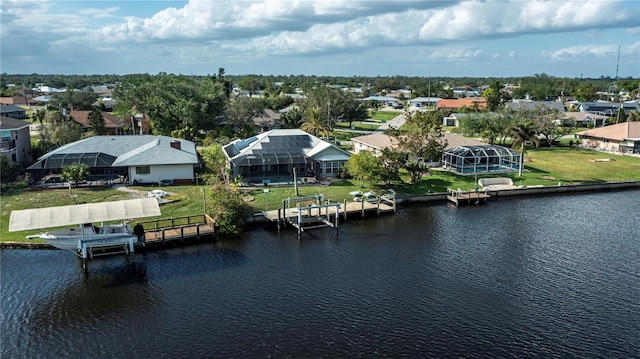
point(141, 159)
point(272, 156)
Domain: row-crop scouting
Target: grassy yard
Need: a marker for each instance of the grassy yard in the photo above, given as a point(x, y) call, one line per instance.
point(544, 166)
point(386, 115)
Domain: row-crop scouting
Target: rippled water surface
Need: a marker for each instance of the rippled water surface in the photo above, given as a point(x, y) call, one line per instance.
point(544, 277)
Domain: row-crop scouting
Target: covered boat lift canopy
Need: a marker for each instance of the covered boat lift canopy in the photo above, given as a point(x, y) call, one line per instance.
point(38, 218)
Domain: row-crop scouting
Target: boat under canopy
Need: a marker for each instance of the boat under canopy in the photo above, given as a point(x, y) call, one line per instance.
point(38, 218)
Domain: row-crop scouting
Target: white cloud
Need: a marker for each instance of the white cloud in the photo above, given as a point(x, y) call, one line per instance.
point(598, 51)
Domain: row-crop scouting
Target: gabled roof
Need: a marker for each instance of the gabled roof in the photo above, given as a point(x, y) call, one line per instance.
point(381, 140)
point(145, 150)
point(267, 117)
point(619, 132)
point(8, 123)
point(110, 121)
point(284, 142)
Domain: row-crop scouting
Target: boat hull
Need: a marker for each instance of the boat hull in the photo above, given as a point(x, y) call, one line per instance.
point(74, 244)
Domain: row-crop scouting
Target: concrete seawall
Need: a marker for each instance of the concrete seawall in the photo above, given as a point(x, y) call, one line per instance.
point(530, 191)
point(435, 198)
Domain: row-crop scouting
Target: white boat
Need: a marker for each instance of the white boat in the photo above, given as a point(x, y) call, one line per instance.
point(85, 234)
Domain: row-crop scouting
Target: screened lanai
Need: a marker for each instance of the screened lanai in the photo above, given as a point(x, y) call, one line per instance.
point(271, 157)
point(466, 160)
point(98, 163)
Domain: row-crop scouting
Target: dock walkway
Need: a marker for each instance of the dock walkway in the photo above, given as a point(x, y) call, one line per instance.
point(459, 197)
point(178, 228)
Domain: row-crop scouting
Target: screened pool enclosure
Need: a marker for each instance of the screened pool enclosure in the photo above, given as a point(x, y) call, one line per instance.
point(469, 160)
point(271, 157)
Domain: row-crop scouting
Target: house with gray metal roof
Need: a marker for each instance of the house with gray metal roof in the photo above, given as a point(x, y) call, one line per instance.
point(141, 159)
point(272, 156)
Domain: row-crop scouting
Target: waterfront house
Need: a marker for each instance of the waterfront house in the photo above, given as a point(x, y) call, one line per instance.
point(271, 157)
point(376, 142)
point(113, 124)
point(141, 159)
point(621, 138)
point(16, 143)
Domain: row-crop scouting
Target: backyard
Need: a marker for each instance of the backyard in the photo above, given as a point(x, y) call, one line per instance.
point(544, 166)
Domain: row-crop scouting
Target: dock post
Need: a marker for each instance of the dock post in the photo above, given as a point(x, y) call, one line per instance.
point(279, 224)
point(345, 210)
point(362, 207)
point(393, 198)
point(378, 206)
point(336, 218)
point(299, 222)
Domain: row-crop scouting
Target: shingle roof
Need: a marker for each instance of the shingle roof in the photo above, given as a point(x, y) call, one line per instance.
point(8, 123)
point(618, 132)
point(293, 142)
point(110, 121)
point(381, 140)
point(144, 150)
point(11, 108)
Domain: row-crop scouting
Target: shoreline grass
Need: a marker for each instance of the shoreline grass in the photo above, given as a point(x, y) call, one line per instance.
point(544, 166)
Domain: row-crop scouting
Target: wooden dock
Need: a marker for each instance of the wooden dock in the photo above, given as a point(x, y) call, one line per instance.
point(178, 228)
point(459, 197)
point(307, 215)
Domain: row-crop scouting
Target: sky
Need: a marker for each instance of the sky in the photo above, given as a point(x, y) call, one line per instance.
point(501, 38)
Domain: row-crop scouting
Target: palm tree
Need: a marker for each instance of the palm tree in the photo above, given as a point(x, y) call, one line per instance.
point(313, 124)
point(521, 133)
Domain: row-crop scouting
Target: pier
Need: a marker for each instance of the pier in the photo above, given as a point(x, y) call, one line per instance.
point(160, 231)
point(178, 228)
point(459, 197)
point(304, 213)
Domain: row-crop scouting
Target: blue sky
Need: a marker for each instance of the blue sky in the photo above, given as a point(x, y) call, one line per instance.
point(500, 38)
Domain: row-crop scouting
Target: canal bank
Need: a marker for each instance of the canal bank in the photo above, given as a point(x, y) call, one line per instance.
point(258, 218)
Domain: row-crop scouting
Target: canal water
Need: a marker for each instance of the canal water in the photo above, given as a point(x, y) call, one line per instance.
point(542, 277)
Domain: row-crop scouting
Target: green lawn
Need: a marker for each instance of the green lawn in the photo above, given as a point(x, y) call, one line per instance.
point(544, 166)
point(386, 115)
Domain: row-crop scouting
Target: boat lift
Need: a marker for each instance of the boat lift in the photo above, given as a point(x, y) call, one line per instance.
point(308, 217)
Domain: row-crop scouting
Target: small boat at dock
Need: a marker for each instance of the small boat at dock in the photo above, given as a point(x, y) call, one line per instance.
point(85, 235)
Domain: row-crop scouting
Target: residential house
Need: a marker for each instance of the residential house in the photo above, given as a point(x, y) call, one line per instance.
point(455, 118)
point(623, 138)
point(140, 159)
point(384, 100)
point(424, 101)
point(16, 142)
point(267, 120)
point(272, 156)
point(376, 142)
point(13, 111)
point(457, 104)
point(529, 106)
point(113, 124)
point(609, 109)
